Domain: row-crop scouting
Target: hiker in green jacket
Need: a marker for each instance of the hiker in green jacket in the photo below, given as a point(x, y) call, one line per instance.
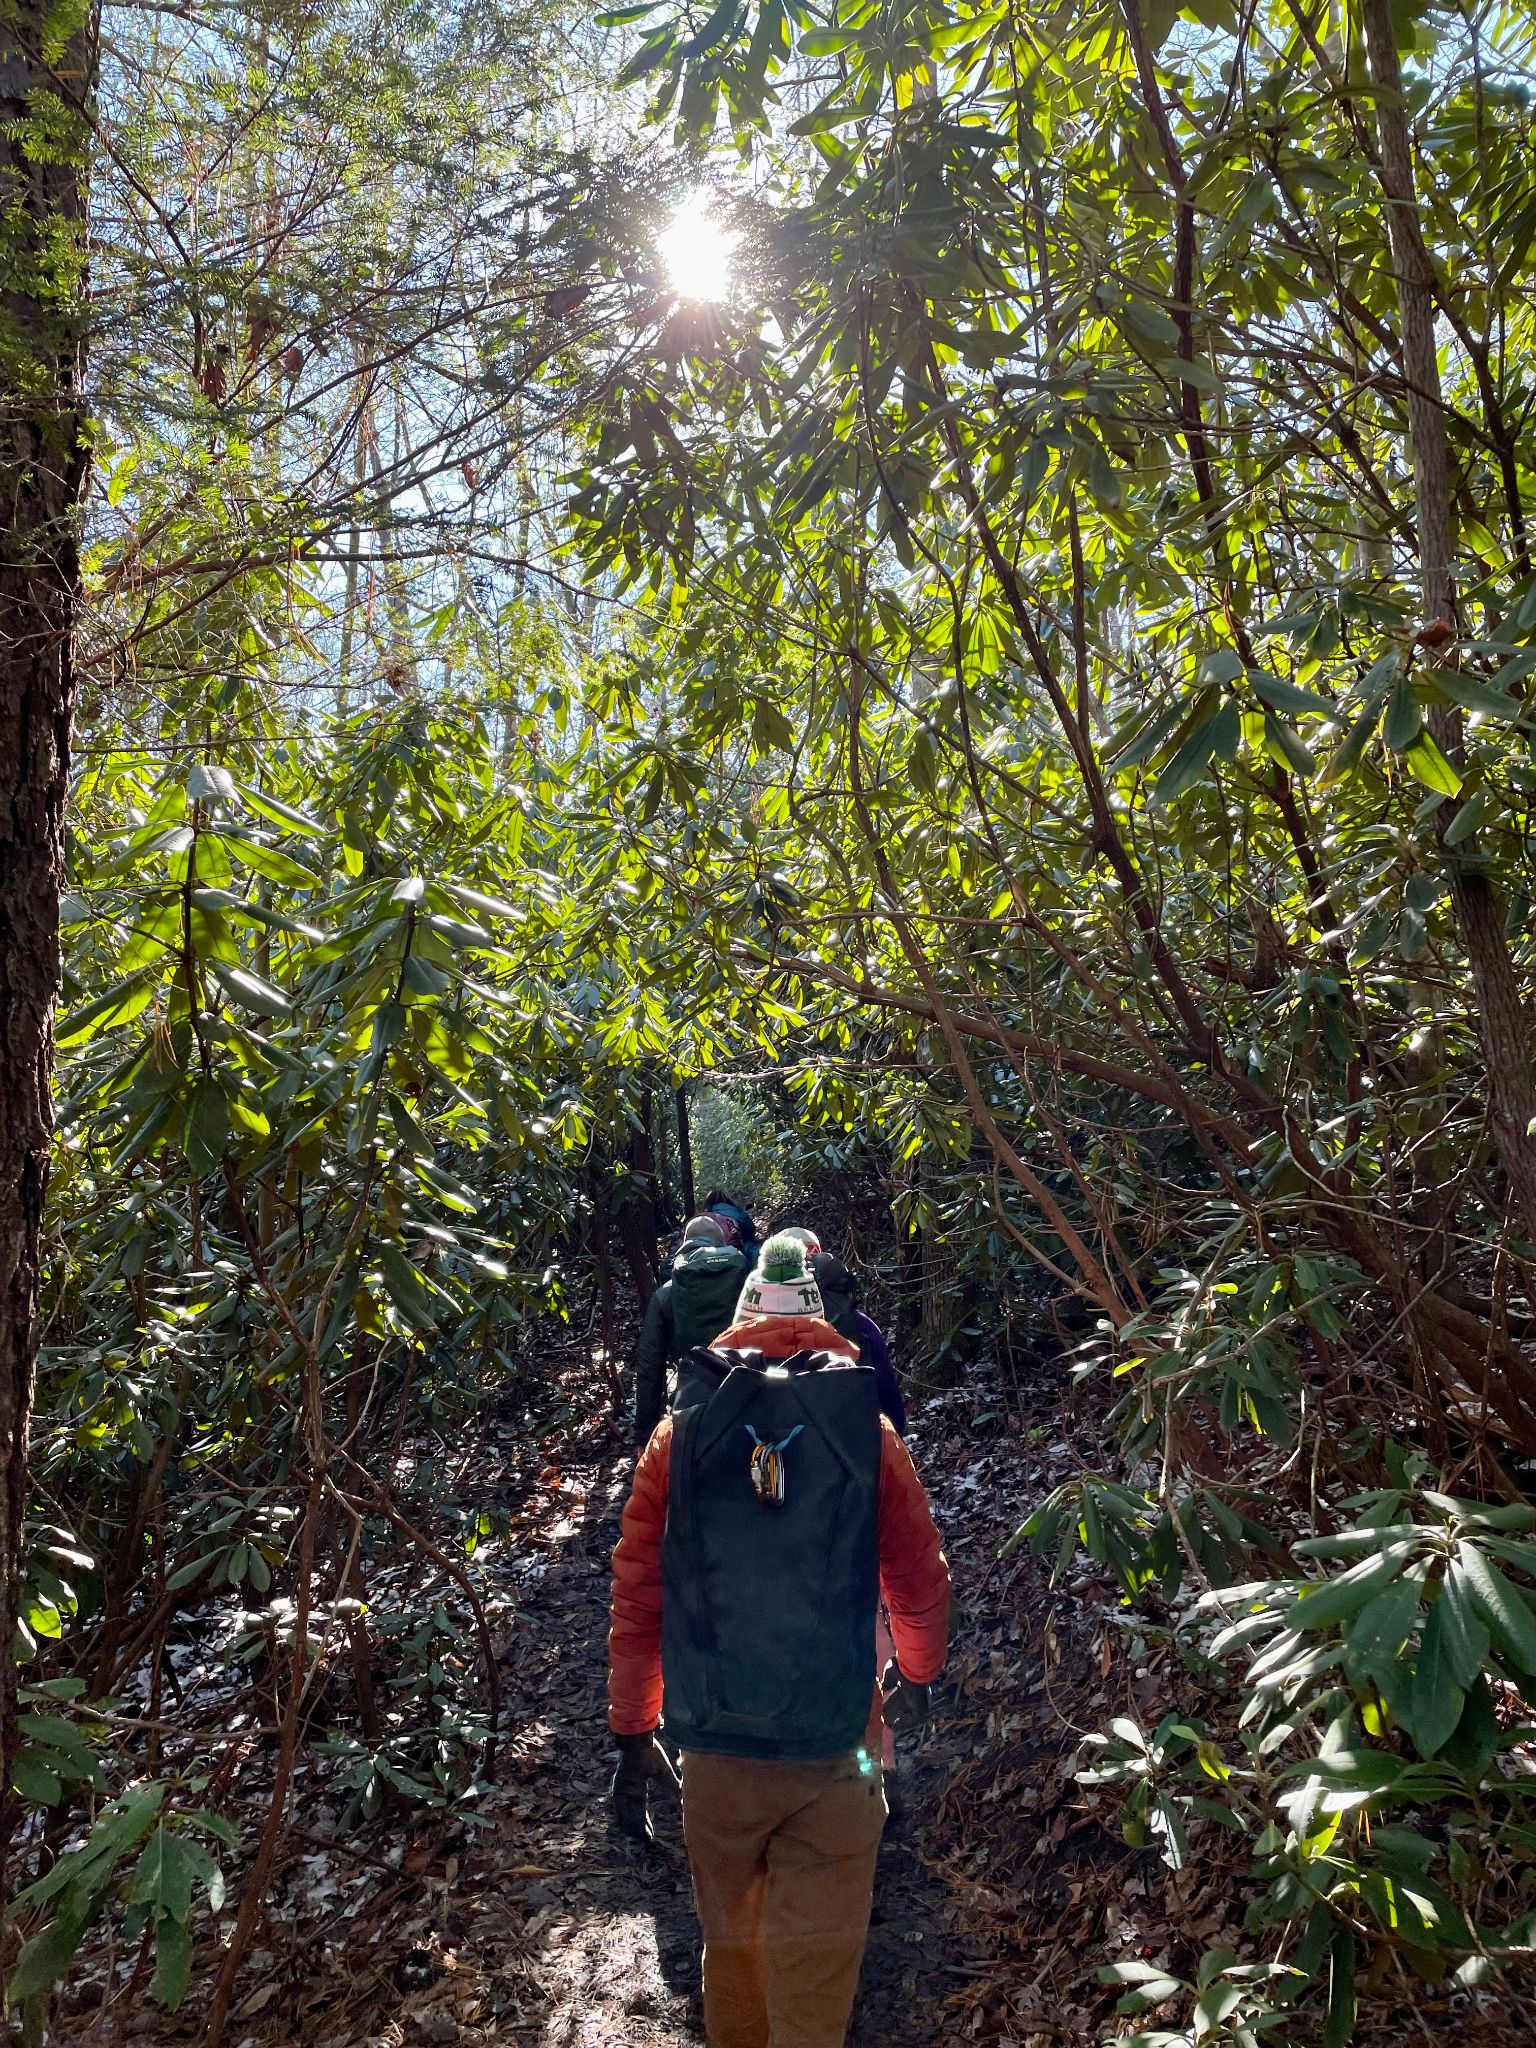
point(688, 1309)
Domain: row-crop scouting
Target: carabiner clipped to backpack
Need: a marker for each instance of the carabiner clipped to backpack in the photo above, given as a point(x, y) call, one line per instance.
point(768, 1466)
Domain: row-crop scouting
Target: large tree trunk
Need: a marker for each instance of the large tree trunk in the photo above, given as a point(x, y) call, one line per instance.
point(42, 473)
point(1503, 1024)
point(685, 1155)
point(637, 1218)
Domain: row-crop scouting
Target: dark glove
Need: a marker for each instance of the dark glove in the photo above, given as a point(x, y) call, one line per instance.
point(905, 1702)
point(641, 1758)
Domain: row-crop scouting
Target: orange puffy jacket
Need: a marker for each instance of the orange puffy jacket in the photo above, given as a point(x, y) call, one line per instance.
point(783, 1336)
point(914, 1576)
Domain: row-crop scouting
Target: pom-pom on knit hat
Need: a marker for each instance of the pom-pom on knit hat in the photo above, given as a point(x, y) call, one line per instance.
point(781, 1283)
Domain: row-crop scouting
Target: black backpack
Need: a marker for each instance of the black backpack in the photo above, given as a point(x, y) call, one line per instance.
point(770, 1560)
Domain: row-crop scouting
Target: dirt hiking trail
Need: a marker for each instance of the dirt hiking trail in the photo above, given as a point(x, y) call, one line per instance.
point(540, 1927)
point(537, 1926)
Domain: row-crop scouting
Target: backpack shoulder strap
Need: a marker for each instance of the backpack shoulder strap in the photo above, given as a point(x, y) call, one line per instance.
point(728, 1402)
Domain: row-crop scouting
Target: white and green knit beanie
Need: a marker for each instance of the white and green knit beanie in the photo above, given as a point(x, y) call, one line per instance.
point(781, 1283)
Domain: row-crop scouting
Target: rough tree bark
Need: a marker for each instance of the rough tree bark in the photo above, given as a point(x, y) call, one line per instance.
point(42, 474)
point(637, 1211)
point(1503, 1022)
point(685, 1155)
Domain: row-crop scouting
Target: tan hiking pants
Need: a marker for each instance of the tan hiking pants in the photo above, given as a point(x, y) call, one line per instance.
point(783, 1858)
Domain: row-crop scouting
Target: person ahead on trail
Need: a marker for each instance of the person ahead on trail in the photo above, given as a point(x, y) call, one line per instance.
point(736, 1222)
point(769, 1515)
point(689, 1308)
point(840, 1296)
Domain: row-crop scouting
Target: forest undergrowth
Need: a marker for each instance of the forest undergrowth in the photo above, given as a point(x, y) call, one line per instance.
point(1005, 1901)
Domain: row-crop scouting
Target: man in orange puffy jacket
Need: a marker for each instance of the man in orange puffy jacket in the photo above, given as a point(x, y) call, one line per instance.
point(769, 1517)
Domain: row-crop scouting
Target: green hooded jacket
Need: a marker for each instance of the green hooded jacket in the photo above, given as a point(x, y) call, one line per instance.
point(692, 1308)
